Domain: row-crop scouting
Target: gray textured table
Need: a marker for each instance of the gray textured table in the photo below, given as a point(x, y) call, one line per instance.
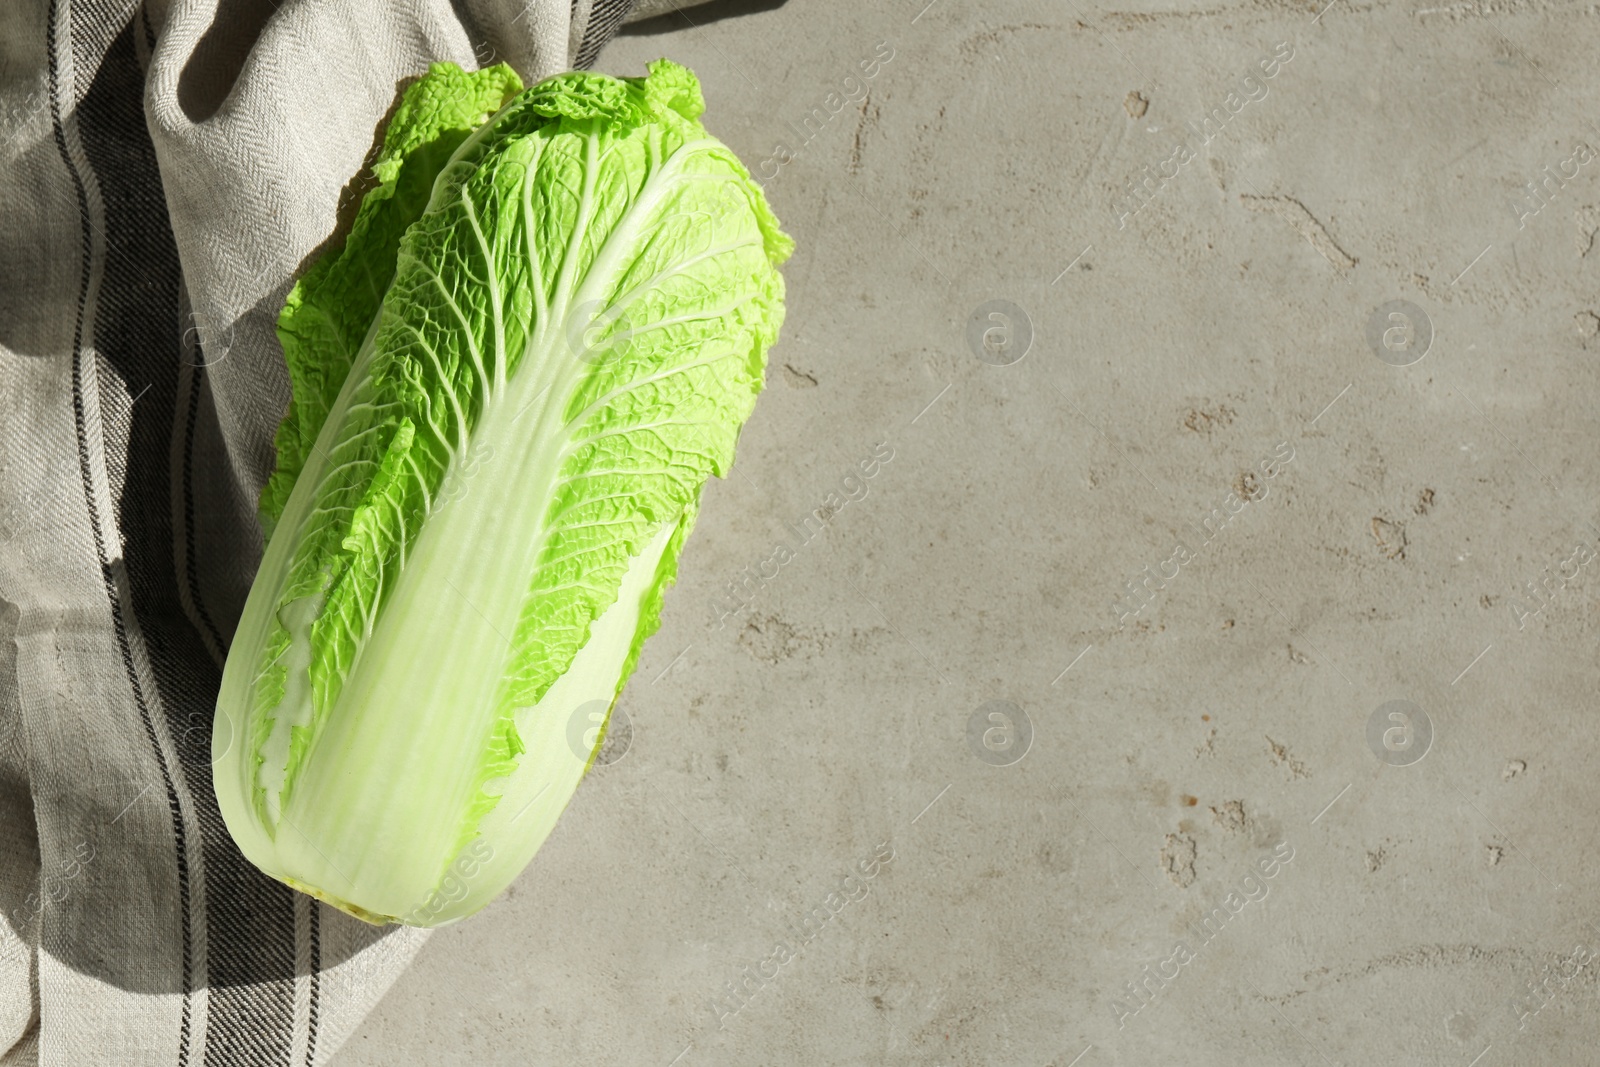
point(1305, 400)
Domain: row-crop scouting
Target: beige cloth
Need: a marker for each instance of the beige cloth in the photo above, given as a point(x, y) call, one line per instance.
point(165, 170)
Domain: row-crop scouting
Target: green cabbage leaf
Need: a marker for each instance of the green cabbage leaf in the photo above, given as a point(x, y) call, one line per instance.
point(543, 333)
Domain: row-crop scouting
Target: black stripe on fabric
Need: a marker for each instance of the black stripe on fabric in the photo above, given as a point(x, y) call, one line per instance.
point(316, 981)
point(250, 918)
point(604, 19)
point(86, 246)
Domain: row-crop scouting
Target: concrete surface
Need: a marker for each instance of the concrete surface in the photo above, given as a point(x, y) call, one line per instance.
point(1229, 721)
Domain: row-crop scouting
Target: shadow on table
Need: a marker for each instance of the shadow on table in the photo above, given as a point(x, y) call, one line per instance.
point(698, 15)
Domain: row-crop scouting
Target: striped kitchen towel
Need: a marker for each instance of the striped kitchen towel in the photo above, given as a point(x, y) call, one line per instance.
point(166, 168)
